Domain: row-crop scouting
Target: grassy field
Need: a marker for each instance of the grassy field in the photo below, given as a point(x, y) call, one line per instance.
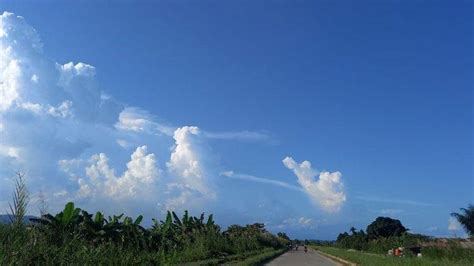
point(363, 258)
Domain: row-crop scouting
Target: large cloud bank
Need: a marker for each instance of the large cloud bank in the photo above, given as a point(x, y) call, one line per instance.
point(76, 142)
point(70, 137)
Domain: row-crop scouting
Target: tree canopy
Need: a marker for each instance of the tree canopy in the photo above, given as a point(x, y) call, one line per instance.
point(385, 227)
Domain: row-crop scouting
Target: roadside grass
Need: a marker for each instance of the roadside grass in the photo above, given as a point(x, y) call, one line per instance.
point(363, 258)
point(258, 257)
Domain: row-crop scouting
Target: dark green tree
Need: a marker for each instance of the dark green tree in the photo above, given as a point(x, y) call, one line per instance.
point(385, 227)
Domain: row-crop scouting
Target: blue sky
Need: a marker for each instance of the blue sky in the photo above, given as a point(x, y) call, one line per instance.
point(191, 105)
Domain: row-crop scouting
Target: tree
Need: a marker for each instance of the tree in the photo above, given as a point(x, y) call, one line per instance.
point(466, 219)
point(385, 227)
point(342, 236)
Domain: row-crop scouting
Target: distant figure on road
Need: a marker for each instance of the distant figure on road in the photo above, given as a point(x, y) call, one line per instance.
point(305, 248)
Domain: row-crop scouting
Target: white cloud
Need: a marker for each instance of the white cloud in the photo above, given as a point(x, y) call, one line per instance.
point(231, 174)
point(188, 165)
point(432, 229)
point(57, 124)
point(13, 152)
point(123, 143)
point(301, 222)
point(453, 224)
point(70, 166)
point(238, 135)
point(10, 74)
point(326, 192)
point(391, 211)
point(137, 120)
point(137, 181)
point(34, 78)
point(63, 110)
point(70, 70)
point(394, 201)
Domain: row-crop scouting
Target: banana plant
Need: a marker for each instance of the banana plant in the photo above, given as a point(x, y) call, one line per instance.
point(63, 225)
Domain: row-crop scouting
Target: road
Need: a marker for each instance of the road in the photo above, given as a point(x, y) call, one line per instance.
point(296, 258)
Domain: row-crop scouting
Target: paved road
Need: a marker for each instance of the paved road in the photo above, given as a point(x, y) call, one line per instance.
point(296, 258)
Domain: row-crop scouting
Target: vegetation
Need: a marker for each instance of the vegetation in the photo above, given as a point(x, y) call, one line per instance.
point(385, 227)
point(20, 200)
point(363, 258)
point(385, 233)
point(466, 219)
point(74, 235)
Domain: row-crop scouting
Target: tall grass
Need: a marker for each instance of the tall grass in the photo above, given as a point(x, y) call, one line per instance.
point(20, 199)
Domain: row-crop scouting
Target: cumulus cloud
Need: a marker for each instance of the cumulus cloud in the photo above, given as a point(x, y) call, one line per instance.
point(327, 191)
point(139, 179)
point(58, 125)
point(189, 165)
point(53, 117)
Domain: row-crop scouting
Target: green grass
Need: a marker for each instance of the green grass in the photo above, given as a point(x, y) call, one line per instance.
point(363, 258)
point(258, 257)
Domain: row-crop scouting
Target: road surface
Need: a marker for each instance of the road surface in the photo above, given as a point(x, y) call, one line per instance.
point(296, 258)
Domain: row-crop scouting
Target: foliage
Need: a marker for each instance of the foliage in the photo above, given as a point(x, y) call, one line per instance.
point(466, 219)
point(355, 240)
point(385, 227)
point(73, 235)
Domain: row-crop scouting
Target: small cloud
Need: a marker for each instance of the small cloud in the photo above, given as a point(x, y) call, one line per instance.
point(137, 120)
point(238, 135)
point(123, 143)
point(34, 78)
point(395, 201)
point(391, 211)
point(432, 229)
point(301, 222)
point(61, 193)
point(305, 221)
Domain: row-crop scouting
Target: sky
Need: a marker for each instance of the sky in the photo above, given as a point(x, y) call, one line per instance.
point(309, 116)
